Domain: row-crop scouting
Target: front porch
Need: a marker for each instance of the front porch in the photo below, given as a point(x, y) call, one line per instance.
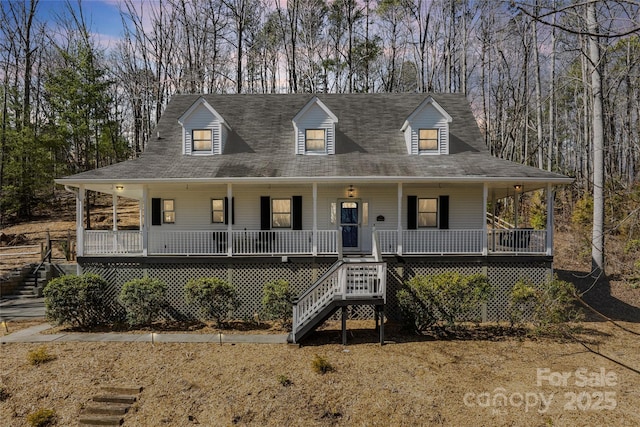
point(313, 243)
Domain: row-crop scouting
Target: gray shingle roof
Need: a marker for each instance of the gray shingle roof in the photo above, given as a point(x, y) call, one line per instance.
point(369, 143)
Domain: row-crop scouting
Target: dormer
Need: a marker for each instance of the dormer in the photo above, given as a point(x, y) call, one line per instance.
point(315, 129)
point(426, 130)
point(204, 131)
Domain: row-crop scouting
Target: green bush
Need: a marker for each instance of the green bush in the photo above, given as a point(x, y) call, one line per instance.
point(277, 301)
point(523, 299)
point(215, 298)
point(78, 300)
point(550, 304)
point(443, 299)
point(142, 299)
point(42, 418)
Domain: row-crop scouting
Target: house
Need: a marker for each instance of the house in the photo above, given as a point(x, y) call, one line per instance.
point(343, 193)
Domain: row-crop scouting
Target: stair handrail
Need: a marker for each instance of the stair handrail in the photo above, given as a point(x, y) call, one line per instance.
point(35, 271)
point(322, 278)
point(501, 223)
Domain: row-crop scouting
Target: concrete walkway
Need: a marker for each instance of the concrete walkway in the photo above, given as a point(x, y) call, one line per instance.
point(12, 308)
point(33, 335)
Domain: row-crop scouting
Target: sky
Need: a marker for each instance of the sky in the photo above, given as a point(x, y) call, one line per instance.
point(102, 17)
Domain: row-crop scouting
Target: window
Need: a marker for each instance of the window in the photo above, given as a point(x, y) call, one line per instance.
point(281, 213)
point(217, 211)
point(428, 140)
point(201, 140)
point(427, 212)
point(168, 211)
point(315, 140)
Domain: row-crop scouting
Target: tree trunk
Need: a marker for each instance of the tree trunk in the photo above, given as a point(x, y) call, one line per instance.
point(597, 248)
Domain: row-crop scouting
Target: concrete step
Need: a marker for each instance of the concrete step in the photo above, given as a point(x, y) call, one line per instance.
point(101, 420)
point(115, 398)
point(106, 409)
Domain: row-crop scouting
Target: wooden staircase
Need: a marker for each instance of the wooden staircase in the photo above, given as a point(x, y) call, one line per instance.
point(348, 282)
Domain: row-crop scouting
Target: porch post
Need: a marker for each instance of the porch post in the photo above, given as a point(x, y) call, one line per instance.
point(229, 223)
point(314, 238)
point(144, 220)
point(493, 219)
point(115, 222)
point(485, 192)
point(550, 194)
point(516, 208)
point(399, 218)
point(80, 221)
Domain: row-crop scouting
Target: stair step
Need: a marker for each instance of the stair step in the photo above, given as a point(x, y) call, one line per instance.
point(101, 420)
point(115, 398)
point(106, 409)
point(122, 390)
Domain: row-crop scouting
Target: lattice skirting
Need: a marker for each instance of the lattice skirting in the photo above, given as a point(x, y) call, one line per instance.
point(248, 276)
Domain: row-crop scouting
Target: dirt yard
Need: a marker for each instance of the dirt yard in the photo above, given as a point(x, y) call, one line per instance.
point(408, 382)
point(487, 380)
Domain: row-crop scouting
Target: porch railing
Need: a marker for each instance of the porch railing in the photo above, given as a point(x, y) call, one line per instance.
point(519, 240)
point(301, 242)
point(107, 242)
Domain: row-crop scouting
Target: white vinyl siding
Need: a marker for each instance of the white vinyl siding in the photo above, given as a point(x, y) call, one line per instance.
point(193, 207)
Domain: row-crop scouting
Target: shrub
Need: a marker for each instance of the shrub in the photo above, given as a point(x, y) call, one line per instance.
point(42, 418)
point(277, 301)
point(40, 356)
point(442, 299)
point(215, 298)
point(556, 304)
point(522, 299)
point(78, 300)
point(550, 304)
point(321, 365)
point(142, 300)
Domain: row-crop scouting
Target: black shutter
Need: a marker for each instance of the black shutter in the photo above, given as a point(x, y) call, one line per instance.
point(296, 213)
point(444, 212)
point(265, 213)
point(412, 212)
point(156, 211)
point(226, 210)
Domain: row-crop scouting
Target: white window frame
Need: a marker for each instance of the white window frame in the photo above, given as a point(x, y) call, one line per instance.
point(435, 199)
point(168, 212)
point(193, 141)
point(437, 141)
point(274, 213)
point(214, 210)
point(324, 139)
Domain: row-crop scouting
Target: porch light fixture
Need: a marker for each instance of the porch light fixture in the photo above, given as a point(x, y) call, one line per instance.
point(517, 187)
point(350, 190)
point(119, 187)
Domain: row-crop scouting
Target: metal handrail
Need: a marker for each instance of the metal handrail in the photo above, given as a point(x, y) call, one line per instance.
point(35, 272)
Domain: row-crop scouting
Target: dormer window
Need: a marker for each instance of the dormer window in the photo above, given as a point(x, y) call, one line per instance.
point(315, 141)
point(204, 130)
point(201, 139)
point(426, 130)
point(428, 140)
point(314, 129)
